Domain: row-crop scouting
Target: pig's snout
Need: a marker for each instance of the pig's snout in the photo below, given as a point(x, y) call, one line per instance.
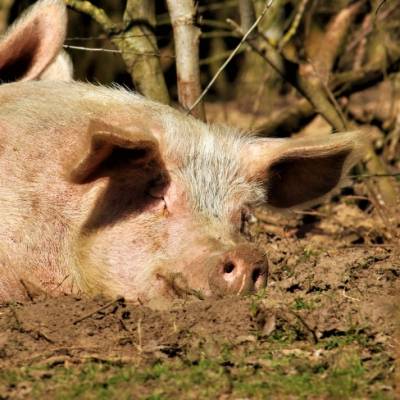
point(239, 271)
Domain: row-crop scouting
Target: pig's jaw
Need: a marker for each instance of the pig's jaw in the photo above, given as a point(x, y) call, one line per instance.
point(175, 264)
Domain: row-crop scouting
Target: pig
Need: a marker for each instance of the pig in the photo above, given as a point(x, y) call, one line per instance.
point(103, 191)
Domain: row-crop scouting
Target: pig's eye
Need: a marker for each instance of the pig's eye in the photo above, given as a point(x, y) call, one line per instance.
point(157, 187)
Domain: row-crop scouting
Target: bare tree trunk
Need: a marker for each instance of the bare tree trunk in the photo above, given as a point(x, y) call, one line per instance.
point(5, 7)
point(140, 52)
point(186, 37)
point(137, 44)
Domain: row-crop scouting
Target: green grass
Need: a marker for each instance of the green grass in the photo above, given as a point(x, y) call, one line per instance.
point(257, 374)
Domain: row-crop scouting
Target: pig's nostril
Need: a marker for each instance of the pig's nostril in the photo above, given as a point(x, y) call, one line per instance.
point(255, 274)
point(229, 267)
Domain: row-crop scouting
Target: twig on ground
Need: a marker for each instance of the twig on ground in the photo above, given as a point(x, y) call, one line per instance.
point(109, 304)
point(349, 297)
point(139, 346)
point(61, 282)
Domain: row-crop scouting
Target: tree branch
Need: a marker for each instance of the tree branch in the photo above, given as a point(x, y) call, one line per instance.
point(97, 14)
point(140, 52)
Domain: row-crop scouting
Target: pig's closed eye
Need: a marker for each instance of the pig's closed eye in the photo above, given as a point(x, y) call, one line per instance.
point(157, 187)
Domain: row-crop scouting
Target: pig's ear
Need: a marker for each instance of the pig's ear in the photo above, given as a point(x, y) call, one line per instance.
point(110, 144)
point(33, 42)
point(301, 172)
point(61, 69)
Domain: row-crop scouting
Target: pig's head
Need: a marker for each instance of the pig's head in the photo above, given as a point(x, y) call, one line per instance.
point(162, 194)
point(168, 195)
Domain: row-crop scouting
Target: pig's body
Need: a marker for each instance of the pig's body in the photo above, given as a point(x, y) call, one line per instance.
point(44, 214)
point(103, 191)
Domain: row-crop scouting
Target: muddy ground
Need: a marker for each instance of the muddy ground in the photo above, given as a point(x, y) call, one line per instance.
point(324, 328)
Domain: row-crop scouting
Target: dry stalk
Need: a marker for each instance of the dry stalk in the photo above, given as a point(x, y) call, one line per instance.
point(186, 37)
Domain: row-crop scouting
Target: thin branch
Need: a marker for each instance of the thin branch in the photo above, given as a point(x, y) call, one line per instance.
point(234, 52)
point(94, 49)
point(98, 14)
point(100, 49)
point(105, 37)
point(294, 26)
